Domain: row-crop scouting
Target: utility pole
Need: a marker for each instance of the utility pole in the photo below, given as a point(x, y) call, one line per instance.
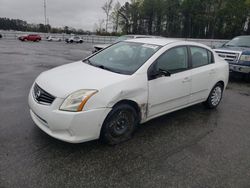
point(45, 13)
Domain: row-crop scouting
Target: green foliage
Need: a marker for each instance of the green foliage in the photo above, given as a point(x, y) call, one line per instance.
point(20, 25)
point(186, 18)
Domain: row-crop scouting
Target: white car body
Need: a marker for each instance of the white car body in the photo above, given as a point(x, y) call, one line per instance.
point(52, 38)
point(153, 97)
point(75, 39)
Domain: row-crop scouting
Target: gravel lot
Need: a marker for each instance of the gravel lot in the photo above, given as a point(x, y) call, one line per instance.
point(194, 147)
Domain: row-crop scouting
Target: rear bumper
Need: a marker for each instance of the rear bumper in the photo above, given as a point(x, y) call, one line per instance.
point(239, 68)
point(72, 127)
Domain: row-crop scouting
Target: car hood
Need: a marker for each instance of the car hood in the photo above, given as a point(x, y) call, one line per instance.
point(64, 80)
point(235, 49)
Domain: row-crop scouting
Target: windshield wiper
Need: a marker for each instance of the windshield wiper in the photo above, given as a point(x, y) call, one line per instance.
point(86, 61)
point(229, 45)
point(89, 62)
point(101, 66)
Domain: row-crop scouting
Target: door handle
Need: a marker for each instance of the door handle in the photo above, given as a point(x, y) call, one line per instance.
point(187, 79)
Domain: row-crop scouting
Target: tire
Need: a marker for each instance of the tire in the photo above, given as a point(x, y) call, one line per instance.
point(119, 125)
point(215, 96)
point(71, 41)
point(80, 41)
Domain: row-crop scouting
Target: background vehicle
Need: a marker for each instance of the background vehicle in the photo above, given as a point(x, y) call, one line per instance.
point(98, 47)
point(237, 53)
point(32, 37)
point(109, 93)
point(75, 39)
point(52, 38)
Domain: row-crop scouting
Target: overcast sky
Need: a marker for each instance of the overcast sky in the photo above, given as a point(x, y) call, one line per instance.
point(81, 14)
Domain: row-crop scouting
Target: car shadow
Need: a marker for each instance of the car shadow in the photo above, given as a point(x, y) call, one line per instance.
point(239, 78)
point(182, 122)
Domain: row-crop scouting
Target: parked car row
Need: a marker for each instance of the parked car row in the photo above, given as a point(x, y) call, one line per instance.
point(37, 38)
point(236, 52)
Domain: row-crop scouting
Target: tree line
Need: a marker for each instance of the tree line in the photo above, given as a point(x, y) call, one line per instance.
point(179, 18)
point(20, 25)
point(171, 18)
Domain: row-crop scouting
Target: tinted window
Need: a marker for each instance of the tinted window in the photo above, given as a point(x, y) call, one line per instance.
point(210, 57)
point(174, 60)
point(199, 56)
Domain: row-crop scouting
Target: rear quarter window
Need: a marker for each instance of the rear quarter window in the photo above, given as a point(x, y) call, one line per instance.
point(201, 56)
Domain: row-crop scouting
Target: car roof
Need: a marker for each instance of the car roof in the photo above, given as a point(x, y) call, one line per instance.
point(155, 41)
point(166, 41)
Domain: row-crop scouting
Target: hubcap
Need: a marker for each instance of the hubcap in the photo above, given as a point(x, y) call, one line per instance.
point(216, 96)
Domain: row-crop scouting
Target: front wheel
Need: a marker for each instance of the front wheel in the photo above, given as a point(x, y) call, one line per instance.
point(119, 124)
point(214, 97)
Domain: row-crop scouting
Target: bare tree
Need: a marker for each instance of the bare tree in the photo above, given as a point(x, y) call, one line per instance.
point(100, 25)
point(107, 8)
point(115, 16)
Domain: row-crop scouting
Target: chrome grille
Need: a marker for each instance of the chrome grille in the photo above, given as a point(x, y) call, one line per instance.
point(42, 96)
point(231, 57)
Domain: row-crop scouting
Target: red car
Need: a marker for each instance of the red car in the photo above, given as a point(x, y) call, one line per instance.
point(34, 38)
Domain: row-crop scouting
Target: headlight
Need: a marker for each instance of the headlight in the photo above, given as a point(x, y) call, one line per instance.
point(245, 58)
point(76, 101)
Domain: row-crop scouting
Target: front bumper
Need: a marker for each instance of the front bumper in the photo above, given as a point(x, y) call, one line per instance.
point(72, 127)
point(239, 68)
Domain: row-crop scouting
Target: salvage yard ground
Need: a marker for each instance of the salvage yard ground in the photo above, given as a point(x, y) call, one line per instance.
point(194, 147)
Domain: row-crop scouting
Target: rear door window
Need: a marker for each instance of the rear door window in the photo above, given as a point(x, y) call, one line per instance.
point(200, 56)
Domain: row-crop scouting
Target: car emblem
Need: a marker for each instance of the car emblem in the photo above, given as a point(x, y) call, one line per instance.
point(38, 94)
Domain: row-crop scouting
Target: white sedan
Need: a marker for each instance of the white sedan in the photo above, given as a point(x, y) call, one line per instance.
point(108, 94)
point(52, 38)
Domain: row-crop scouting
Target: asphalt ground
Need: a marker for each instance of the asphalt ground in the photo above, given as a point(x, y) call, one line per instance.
point(194, 147)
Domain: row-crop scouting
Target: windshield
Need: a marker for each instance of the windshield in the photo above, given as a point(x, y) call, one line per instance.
point(123, 57)
point(243, 41)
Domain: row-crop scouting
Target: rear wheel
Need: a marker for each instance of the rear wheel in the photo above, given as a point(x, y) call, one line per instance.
point(215, 96)
point(119, 124)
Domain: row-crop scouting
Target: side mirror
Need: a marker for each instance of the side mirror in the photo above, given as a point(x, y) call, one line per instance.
point(162, 72)
point(153, 74)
